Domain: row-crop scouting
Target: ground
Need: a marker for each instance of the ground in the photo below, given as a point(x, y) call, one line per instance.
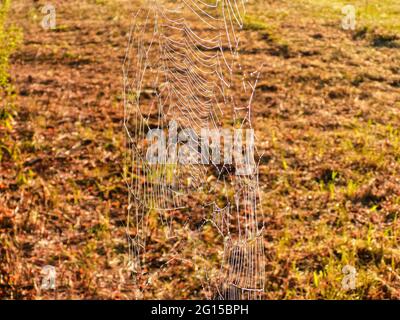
point(326, 114)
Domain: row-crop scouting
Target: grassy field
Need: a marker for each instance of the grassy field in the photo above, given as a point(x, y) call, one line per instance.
point(326, 114)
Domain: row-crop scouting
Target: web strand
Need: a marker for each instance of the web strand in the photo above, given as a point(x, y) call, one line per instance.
point(180, 65)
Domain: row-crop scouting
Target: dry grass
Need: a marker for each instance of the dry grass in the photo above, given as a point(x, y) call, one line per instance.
point(326, 114)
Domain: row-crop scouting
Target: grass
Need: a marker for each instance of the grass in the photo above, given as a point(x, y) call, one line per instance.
point(327, 119)
point(253, 23)
point(9, 39)
point(379, 21)
point(376, 20)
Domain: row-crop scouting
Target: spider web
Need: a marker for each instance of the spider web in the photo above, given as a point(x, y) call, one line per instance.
point(183, 70)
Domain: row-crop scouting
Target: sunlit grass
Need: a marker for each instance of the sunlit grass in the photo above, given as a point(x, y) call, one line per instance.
point(373, 15)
